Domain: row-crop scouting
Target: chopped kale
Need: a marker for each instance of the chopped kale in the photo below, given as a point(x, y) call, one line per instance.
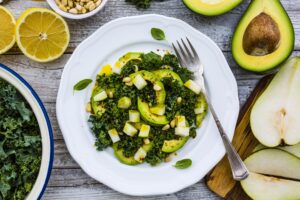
point(115, 118)
point(151, 61)
point(20, 144)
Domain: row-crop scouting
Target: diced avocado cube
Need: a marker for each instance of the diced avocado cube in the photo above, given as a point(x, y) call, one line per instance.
point(129, 129)
point(113, 133)
point(145, 130)
point(134, 116)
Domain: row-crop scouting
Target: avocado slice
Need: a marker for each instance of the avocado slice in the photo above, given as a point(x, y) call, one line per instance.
point(155, 120)
point(97, 107)
point(211, 7)
point(171, 146)
point(163, 73)
point(128, 160)
point(149, 76)
point(264, 37)
point(201, 103)
point(127, 57)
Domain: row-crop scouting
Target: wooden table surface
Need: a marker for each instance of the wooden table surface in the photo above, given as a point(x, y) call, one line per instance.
point(68, 181)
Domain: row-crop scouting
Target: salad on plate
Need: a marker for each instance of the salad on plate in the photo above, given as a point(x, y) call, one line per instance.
point(146, 107)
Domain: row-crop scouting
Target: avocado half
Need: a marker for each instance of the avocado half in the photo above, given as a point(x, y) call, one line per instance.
point(264, 37)
point(211, 7)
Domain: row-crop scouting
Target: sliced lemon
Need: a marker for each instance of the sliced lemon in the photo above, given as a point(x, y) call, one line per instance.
point(7, 30)
point(42, 35)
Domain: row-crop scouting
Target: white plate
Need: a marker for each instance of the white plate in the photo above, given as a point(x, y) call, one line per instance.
point(45, 129)
point(106, 45)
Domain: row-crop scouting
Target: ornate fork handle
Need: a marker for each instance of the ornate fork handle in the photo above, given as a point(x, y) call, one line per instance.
point(238, 168)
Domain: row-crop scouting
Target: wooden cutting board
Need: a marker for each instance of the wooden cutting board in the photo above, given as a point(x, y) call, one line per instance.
point(219, 180)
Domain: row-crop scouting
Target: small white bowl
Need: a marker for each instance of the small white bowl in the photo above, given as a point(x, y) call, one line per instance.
point(55, 7)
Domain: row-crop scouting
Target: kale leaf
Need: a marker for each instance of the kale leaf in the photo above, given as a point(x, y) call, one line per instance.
point(20, 144)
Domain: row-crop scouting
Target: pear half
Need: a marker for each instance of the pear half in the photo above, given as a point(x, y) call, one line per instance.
point(275, 117)
point(274, 174)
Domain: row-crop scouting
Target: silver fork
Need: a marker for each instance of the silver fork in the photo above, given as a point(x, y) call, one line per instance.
point(189, 58)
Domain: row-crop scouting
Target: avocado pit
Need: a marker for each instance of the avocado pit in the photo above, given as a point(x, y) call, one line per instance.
point(262, 36)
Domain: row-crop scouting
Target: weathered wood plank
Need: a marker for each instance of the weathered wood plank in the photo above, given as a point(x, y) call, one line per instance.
point(219, 28)
point(75, 184)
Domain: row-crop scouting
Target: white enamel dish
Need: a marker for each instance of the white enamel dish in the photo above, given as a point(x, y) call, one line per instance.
point(45, 129)
point(105, 46)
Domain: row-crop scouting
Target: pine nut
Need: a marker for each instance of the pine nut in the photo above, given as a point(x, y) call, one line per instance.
point(179, 100)
point(126, 79)
point(98, 2)
point(64, 2)
point(73, 11)
point(156, 87)
point(146, 141)
point(88, 107)
point(166, 127)
point(62, 7)
point(173, 123)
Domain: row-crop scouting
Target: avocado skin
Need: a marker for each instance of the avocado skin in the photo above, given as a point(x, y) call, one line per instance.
point(211, 12)
point(252, 68)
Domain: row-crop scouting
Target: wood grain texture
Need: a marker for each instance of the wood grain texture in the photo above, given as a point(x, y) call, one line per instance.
point(220, 179)
point(68, 181)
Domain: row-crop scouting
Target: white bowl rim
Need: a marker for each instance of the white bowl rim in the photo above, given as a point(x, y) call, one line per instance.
point(47, 121)
point(55, 7)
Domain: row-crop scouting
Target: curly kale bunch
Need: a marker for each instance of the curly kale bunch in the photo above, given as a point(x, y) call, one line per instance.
point(20, 144)
point(141, 4)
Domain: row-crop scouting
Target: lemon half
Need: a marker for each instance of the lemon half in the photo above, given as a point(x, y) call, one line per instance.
point(42, 35)
point(7, 30)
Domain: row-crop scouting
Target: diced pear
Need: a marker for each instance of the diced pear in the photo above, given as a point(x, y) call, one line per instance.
point(100, 96)
point(144, 131)
point(192, 85)
point(182, 131)
point(180, 121)
point(134, 116)
point(129, 129)
point(275, 117)
point(124, 102)
point(140, 155)
point(113, 133)
point(139, 82)
point(158, 109)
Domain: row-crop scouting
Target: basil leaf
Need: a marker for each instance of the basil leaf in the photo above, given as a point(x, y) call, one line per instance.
point(183, 164)
point(157, 34)
point(82, 84)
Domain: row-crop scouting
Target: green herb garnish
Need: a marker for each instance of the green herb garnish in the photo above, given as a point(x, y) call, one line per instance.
point(183, 164)
point(82, 84)
point(157, 34)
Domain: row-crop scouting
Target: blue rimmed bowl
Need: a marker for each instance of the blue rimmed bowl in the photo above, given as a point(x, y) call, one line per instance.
point(45, 129)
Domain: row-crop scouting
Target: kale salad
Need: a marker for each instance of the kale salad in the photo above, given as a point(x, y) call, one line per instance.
point(20, 144)
point(146, 108)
